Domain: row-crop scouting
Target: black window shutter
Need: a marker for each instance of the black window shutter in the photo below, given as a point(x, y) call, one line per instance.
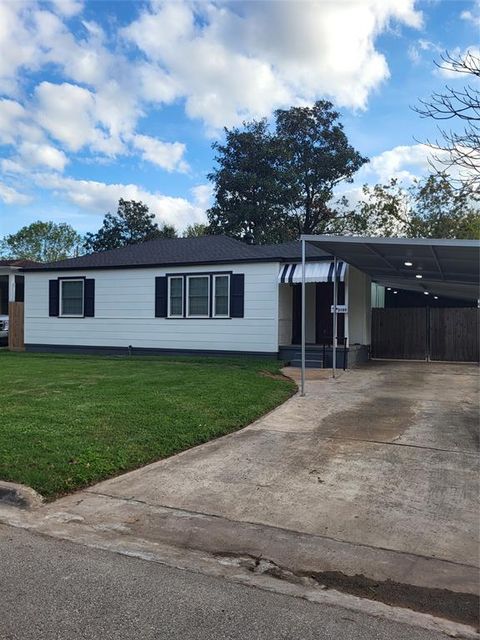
point(237, 295)
point(161, 297)
point(89, 298)
point(53, 286)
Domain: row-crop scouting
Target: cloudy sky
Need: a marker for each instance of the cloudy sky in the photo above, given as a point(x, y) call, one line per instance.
point(101, 100)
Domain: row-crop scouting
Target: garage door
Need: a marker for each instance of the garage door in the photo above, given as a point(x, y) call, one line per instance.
point(450, 335)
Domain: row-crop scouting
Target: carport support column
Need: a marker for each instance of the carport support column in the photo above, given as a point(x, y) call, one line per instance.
point(302, 384)
point(335, 302)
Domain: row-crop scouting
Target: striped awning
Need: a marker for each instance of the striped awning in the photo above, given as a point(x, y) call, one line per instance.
point(314, 272)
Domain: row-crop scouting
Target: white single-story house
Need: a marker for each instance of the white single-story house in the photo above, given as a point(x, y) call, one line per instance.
point(206, 295)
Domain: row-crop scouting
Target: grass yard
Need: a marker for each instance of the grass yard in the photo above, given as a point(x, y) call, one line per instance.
point(69, 421)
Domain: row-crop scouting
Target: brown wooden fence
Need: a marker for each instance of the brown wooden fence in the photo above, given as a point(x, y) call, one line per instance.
point(399, 333)
point(454, 334)
point(15, 326)
point(450, 335)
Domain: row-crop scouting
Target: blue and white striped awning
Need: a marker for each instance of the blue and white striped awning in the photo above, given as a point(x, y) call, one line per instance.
point(314, 272)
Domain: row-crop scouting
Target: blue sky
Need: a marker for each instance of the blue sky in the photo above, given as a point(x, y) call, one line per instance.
point(101, 100)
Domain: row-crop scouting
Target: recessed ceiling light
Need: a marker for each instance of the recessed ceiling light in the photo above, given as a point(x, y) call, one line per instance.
point(436, 297)
point(419, 276)
point(389, 288)
point(395, 292)
point(425, 293)
point(408, 264)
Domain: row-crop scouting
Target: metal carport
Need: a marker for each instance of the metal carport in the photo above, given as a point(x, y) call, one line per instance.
point(446, 267)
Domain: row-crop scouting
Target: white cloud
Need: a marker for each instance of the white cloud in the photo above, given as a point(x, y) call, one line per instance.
point(168, 155)
point(233, 61)
point(225, 62)
point(9, 195)
point(42, 155)
point(68, 8)
point(472, 15)
point(99, 197)
point(417, 51)
point(69, 114)
point(405, 162)
point(203, 195)
point(11, 114)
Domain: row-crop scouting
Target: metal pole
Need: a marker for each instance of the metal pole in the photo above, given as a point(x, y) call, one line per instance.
point(302, 387)
point(335, 302)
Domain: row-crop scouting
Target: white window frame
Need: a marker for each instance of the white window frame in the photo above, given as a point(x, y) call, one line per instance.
point(214, 310)
point(169, 313)
point(60, 298)
point(191, 277)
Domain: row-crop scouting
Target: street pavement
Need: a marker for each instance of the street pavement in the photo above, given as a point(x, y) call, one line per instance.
point(52, 589)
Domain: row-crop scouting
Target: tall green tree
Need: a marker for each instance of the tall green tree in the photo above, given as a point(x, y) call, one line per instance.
point(196, 230)
point(272, 183)
point(316, 157)
point(248, 191)
point(442, 211)
point(43, 242)
point(429, 208)
point(130, 224)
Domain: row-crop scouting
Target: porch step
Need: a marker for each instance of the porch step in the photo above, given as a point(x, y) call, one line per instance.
point(309, 364)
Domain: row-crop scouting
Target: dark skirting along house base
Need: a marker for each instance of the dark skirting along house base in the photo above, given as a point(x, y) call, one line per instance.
point(316, 355)
point(144, 351)
point(319, 356)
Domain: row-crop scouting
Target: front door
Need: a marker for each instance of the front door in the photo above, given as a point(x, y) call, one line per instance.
point(324, 315)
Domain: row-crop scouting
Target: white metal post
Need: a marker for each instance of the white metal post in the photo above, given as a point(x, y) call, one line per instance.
point(302, 386)
point(335, 302)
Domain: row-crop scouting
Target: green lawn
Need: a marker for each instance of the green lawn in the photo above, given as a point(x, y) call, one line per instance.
point(69, 421)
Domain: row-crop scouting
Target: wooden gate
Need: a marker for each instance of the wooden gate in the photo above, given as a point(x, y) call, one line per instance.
point(454, 335)
point(399, 334)
point(450, 335)
point(15, 326)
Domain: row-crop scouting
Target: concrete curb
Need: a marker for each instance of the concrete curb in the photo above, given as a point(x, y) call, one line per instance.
point(19, 495)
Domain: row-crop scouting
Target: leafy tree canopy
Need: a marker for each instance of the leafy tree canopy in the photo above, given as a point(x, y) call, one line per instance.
point(196, 230)
point(272, 183)
point(130, 224)
point(42, 241)
point(430, 208)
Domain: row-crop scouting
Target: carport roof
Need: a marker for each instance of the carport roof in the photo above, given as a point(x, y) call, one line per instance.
point(447, 267)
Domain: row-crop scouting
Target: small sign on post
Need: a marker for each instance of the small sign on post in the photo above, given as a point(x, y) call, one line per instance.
point(341, 308)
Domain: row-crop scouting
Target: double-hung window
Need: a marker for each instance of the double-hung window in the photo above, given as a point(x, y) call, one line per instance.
point(198, 296)
point(175, 297)
point(203, 295)
point(72, 298)
point(221, 296)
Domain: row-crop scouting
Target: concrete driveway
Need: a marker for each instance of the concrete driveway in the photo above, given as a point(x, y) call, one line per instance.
point(374, 473)
point(384, 456)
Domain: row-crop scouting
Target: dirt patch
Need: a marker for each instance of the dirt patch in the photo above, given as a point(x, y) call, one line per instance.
point(457, 607)
point(383, 419)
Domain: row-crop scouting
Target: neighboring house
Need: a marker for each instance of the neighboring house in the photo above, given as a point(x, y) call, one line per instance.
point(207, 295)
point(11, 290)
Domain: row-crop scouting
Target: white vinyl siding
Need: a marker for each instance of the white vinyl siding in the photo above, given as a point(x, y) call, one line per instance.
point(71, 298)
point(125, 312)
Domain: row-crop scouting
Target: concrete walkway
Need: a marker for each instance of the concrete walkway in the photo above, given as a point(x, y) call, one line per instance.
point(374, 473)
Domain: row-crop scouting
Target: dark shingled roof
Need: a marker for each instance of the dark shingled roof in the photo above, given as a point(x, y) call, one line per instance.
point(19, 263)
point(184, 251)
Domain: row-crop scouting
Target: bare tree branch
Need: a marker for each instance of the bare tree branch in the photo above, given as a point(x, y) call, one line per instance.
point(457, 150)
